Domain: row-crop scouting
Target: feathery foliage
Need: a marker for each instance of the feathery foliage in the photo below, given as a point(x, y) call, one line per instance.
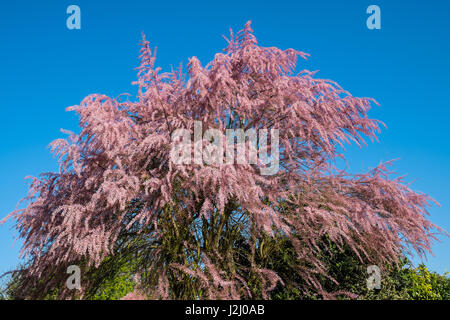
point(211, 231)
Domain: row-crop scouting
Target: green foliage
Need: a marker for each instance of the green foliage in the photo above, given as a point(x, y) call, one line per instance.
point(114, 278)
point(395, 280)
point(426, 285)
point(398, 282)
point(115, 287)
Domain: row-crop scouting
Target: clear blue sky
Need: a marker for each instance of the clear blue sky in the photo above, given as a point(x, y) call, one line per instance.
point(44, 67)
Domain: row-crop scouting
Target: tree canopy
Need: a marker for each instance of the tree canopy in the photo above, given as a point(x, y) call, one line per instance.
point(214, 230)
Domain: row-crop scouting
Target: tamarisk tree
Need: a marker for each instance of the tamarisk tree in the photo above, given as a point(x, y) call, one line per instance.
point(212, 231)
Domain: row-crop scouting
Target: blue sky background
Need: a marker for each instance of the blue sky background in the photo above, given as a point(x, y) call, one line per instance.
point(44, 68)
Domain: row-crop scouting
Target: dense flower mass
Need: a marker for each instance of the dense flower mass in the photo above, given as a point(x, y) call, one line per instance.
point(204, 225)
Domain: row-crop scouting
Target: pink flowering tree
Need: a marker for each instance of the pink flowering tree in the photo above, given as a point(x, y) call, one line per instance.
point(202, 230)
